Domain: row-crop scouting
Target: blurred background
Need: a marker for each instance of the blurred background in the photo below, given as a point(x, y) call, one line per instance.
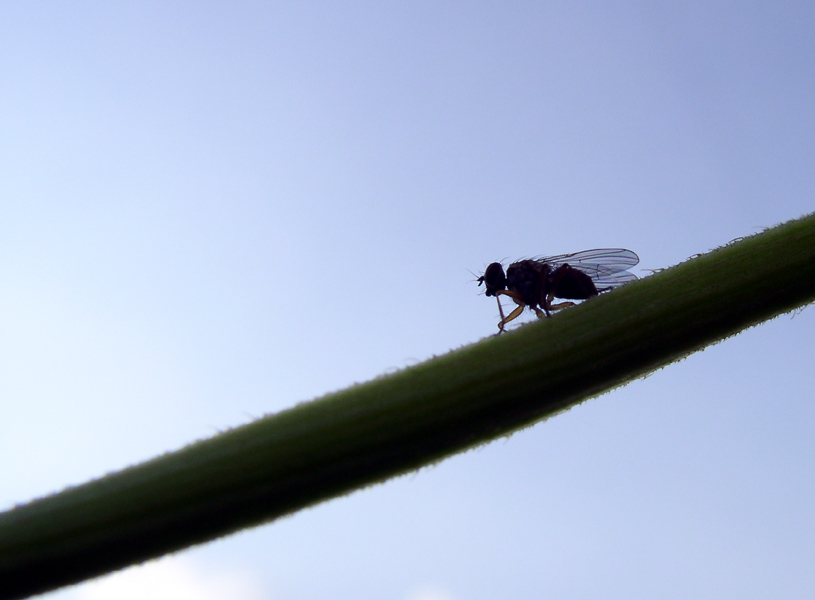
point(211, 211)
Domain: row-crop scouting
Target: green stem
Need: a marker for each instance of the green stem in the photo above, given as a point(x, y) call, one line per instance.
point(396, 423)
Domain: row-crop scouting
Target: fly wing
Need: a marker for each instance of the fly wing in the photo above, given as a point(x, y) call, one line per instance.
point(609, 280)
point(608, 267)
point(613, 259)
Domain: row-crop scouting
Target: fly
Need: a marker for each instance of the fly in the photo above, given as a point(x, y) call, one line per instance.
point(536, 282)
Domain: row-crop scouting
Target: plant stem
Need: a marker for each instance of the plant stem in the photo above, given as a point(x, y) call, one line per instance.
point(400, 422)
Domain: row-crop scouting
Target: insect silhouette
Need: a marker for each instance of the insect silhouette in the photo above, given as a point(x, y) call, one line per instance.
point(536, 282)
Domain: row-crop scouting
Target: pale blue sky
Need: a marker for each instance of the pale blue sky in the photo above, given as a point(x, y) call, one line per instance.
point(211, 211)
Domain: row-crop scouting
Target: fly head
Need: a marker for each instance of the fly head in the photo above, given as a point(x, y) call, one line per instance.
point(493, 279)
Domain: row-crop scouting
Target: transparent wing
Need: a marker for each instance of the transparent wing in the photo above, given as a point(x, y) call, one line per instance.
point(608, 267)
point(608, 280)
point(612, 259)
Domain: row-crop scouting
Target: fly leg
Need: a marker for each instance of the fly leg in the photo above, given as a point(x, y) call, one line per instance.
point(548, 306)
point(517, 298)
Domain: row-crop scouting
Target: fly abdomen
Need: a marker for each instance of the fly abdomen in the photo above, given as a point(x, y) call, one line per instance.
point(572, 284)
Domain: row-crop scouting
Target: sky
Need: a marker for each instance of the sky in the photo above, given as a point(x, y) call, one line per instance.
point(212, 211)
